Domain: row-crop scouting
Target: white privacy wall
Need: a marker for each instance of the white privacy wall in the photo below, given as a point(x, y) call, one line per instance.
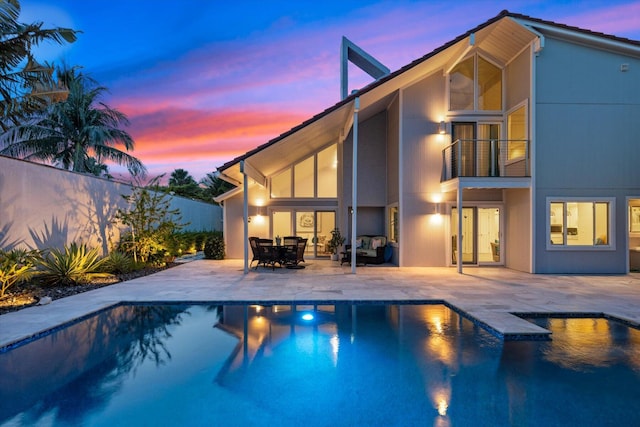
point(44, 207)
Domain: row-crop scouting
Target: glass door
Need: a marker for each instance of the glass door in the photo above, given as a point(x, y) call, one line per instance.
point(488, 235)
point(463, 156)
point(480, 235)
point(315, 226)
point(467, 251)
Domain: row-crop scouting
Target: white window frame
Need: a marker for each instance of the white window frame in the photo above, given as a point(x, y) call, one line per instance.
point(609, 246)
point(388, 225)
point(475, 55)
point(524, 104)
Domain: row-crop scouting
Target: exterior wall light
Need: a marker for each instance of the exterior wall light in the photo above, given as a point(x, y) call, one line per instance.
point(442, 127)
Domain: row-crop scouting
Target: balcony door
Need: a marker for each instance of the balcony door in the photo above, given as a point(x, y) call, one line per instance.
point(477, 149)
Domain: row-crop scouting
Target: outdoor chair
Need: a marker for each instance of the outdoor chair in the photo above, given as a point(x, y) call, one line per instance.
point(253, 242)
point(267, 253)
point(296, 255)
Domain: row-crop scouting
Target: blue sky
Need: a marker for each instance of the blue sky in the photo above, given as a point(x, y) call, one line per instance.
point(205, 81)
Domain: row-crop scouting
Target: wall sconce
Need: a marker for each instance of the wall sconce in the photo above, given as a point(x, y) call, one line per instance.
point(442, 127)
point(436, 209)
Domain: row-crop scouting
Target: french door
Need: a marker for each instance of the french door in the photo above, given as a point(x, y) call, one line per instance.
point(481, 230)
point(477, 148)
point(313, 225)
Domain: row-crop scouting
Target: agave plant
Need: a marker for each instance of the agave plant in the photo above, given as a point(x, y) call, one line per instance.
point(16, 266)
point(74, 265)
point(118, 262)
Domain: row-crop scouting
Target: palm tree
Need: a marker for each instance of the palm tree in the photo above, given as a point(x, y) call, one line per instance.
point(79, 133)
point(214, 186)
point(180, 177)
point(25, 89)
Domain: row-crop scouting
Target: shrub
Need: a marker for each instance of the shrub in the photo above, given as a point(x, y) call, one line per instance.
point(118, 262)
point(16, 266)
point(151, 224)
point(72, 266)
point(214, 246)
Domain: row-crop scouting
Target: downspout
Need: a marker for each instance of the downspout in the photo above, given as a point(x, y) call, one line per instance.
point(354, 185)
point(245, 215)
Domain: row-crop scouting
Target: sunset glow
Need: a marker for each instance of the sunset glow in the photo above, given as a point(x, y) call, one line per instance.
point(203, 82)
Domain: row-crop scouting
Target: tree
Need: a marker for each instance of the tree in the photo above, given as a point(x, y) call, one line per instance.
point(214, 186)
point(151, 222)
point(182, 184)
point(25, 89)
point(79, 133)
point(180, 177)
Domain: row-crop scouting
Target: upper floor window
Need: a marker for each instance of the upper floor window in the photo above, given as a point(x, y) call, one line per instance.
point(315, 176)
point(475, 84)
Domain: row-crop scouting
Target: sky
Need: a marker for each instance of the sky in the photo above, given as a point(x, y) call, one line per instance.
point(204, 81)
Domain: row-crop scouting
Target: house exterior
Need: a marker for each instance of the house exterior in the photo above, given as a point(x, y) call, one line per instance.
point(517, 143)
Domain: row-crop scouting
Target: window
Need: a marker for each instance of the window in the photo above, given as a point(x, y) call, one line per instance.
point(281, 184)
point(327, 172)
point(315, 176)
point(517, 133)
point(393, 224)
point(475, 84)
point(578, 222)
point(303, 178)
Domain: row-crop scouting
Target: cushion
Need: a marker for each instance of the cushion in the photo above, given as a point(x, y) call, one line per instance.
point(366, 242)
point(358, 243)
point(376, 243)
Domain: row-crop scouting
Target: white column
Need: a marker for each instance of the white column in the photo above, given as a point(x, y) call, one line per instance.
point(354, 185)
point(459, 237)
point(245, 215)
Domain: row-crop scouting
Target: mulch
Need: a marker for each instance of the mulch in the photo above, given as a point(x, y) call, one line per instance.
point(28, 294)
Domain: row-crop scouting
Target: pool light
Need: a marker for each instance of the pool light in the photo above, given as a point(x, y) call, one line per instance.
point(307, 316)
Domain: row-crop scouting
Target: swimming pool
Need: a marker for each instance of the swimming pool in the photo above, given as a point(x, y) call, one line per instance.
point(318, 365)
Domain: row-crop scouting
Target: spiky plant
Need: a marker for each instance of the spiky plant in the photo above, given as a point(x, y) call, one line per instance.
point(16, 266)
point(117, 263)
point(74, 265)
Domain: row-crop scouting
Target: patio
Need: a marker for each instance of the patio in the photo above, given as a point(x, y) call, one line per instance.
point(488, 295)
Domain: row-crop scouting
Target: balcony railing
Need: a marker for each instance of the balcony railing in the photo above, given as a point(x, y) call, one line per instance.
point(485, 158)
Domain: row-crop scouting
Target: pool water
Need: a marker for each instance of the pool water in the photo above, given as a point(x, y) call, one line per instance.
point(318, 365)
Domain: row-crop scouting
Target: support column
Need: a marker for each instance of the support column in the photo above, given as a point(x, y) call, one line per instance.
point(245, 215)
point(459, 237)
point(354, 185)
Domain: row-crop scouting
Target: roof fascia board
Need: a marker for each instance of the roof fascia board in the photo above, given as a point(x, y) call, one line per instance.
point(581, 37)
point(224, 196)
point(472, 42)
point(253, 173)
point(347, 124)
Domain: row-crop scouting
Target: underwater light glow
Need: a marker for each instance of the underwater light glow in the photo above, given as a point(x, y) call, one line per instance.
point(307, 316)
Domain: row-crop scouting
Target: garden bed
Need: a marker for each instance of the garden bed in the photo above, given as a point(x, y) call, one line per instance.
point(29, 294)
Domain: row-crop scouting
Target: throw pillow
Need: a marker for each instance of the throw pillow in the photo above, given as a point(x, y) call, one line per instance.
point(358, 243)
point(376, 243)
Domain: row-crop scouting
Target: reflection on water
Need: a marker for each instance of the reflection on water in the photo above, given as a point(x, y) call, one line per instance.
point(334, 364)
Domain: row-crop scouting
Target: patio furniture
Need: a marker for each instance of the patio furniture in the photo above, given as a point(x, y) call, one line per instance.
point(268, 255)
point(294, 254)
point(253, 242)
point(370, 249)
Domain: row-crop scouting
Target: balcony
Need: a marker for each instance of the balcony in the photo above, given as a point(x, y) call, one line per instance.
point(485, 158)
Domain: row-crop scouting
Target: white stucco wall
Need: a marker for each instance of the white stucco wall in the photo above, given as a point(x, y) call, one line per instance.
point(44, 207)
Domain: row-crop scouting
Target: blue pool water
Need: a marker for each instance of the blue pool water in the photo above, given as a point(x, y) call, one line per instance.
point(324, 365)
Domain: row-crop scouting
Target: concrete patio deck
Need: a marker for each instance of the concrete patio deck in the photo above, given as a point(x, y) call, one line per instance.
point(487, 295)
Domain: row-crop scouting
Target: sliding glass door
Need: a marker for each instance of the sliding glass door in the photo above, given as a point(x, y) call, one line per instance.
point(313, 225)
point(480, 235)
